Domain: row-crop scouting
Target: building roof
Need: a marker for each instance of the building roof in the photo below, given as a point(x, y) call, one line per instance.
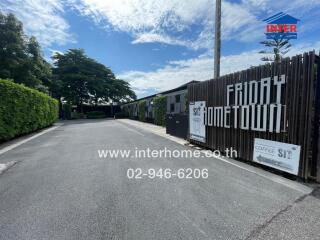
point(182, 87)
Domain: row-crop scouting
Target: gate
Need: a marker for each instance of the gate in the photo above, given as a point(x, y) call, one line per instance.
point(177, 125)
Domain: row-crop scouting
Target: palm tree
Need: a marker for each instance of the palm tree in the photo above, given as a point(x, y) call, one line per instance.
point(280, 47)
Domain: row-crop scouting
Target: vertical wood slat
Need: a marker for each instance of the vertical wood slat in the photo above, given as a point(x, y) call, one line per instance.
point(316, 130)
point(298, 96)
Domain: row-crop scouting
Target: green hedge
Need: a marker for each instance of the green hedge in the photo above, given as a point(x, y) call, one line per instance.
point(142, 110)
point(160, 110)
point(120, 115)
point(24, 110)
point(77, 115)
point(96, 115)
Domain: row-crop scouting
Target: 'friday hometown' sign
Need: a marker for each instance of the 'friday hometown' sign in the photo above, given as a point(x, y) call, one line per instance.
point(253, 105)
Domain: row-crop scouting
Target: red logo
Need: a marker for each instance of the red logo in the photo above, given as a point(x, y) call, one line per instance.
point(281, 26)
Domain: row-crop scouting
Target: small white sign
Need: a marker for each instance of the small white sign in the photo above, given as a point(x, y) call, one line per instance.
point(196, 121)
point(279, 155)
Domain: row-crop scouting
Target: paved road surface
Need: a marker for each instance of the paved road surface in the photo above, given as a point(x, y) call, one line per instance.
point(61, 189)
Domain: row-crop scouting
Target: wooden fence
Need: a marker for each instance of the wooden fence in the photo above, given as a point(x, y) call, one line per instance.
point(300, 97)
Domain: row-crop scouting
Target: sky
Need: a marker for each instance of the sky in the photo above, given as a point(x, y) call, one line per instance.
point(157, 45)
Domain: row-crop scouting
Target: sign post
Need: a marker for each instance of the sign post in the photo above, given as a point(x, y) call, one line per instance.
point(197, 127)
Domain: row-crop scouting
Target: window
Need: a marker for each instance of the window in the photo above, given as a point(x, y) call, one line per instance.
point(177, 98)
point(172, 107)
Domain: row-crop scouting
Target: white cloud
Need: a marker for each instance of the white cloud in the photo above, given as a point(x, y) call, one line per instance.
point(41, 18)
point(150, 20)
point(169, 22)
point(154, 37)
point(163, 21)
point(137, 15)
point(48, 58)
point(179, 72)
point(54, 51)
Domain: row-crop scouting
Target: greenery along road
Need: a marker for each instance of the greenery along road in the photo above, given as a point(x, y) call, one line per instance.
point(73, 76)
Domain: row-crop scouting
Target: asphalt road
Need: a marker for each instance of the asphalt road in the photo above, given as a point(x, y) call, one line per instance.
point(61, 189)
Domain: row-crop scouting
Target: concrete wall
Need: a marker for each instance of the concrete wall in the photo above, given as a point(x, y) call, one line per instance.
point(149, 108)
point(176, 102)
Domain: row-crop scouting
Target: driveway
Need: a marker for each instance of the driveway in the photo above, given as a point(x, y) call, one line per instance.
point(61, 189)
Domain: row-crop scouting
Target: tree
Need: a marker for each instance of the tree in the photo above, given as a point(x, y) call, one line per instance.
point(20, 56)
point(279, 47)
point(122, 91)
point(71, 71)
point(81, 79)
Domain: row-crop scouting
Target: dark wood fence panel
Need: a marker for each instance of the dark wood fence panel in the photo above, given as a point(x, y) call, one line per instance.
point(177, 125)
point(300, 117)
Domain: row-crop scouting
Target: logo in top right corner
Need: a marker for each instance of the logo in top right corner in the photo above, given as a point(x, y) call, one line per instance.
point(281, 26)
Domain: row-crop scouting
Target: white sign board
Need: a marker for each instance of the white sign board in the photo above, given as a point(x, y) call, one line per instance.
point(282, 156)
point(196, 121)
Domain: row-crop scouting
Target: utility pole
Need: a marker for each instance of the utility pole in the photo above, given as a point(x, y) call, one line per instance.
point(217, 40)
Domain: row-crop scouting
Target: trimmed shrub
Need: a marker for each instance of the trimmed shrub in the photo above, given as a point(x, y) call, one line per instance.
point(120, 115)
point(96, 115)
point(76, 115)
point(24, 110)
point(142, 110)
point(160, 110)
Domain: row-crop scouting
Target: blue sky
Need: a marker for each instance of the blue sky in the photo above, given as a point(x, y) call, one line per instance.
point(160, 44)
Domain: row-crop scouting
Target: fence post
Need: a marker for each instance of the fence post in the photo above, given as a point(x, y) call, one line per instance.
point(317, 120)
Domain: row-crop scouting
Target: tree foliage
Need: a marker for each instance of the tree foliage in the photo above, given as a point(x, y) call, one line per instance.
point(278, 47)
point(81, 79)
point(20, 56)
point(77, 78)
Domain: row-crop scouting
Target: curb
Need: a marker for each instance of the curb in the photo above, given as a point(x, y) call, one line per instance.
point(18, 142)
